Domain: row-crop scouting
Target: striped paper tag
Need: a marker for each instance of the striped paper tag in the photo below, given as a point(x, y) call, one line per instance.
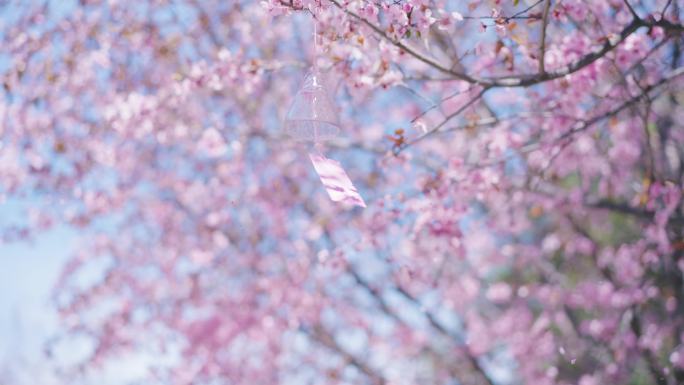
point(335, 180)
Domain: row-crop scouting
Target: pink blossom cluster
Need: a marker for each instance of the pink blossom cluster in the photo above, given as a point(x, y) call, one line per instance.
point(522, 163)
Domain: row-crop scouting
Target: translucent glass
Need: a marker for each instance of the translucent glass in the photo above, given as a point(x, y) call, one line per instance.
point(312, 116)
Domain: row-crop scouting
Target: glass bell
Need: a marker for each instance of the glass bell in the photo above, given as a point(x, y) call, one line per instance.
point(312, 116)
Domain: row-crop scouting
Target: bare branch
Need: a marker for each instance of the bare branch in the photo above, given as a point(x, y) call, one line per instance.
point(327, 340)
point(584, 124)
point(438, 326)
point(529, 80)
point(386, 309)
point(624, 208)
point(429, 61)
point(446, 120)
point(431, 320)
point(662, 13)
point(518, 15)
point(667, 25)
point(631, 10)
point(630, 102)
point(439, 103)
point(657, 372)
point(511, 81)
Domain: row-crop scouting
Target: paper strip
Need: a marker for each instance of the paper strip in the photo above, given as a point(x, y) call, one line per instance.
point(335, 180)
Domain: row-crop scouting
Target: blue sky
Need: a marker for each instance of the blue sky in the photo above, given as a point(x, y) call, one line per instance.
point(28, 272)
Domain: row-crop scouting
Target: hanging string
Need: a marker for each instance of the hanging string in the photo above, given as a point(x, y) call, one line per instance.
point(315, 44)
point(317, 146)
point(315, 117)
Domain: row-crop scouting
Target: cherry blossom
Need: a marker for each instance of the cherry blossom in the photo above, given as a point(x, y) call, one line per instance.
point(521, 164)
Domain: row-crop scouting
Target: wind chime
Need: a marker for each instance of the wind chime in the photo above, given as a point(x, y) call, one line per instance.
point(313, 118)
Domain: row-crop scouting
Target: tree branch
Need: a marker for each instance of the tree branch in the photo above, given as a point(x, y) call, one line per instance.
point(327, 340)
point(624, 208)
point(662, 13)
point(582, 125)
point(517, 15)
point(657, 372)
point(438, 326)
point(586, 60)
point(429, 61)
point(431, 320)
point(520, 80)
point(666, 25)
point(631, 10)
point(391, 313)
point(445, 121)
point(630, 102)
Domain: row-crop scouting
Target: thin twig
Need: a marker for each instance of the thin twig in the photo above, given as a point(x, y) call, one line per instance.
point(430, 317)
point(429, 61)
point(662, 13)
point(645, 94)
point(446, 120)
point(327, 340)
point(585, 124)
point(518, 15)
point(520, 80)
point(631, 10)
point(439, 103)
point(385, 307)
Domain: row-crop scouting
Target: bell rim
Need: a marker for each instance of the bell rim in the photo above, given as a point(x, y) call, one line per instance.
point(334, 123)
